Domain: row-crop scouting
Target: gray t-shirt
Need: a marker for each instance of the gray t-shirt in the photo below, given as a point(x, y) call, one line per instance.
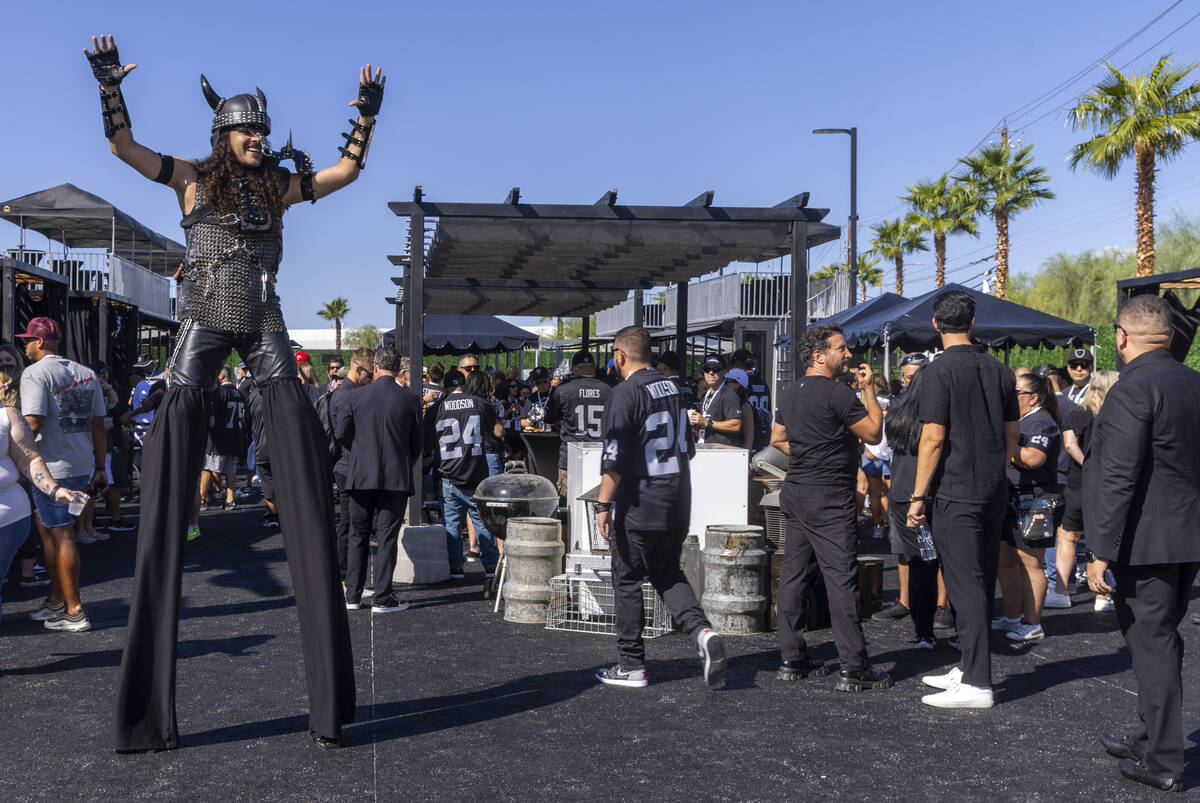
point(67, 395)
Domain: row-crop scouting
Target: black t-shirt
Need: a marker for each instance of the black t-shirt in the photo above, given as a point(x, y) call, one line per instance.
point(817, 413)
point(228, 411)
point(430, 387)
point(459, 430)
point(759, 395)
point(647, 440)
point(1080, 422)
point(1039, 431)
point(723, 405)
point(577, 406)
point(972, 395)
point(1065, 408)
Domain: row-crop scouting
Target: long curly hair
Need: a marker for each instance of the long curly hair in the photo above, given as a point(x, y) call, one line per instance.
point(219, 179)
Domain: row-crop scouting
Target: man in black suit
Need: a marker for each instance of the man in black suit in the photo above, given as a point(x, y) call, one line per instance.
point(380, 426)
point(1141, 508)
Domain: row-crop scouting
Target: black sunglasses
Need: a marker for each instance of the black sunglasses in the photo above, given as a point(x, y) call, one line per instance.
point(914, 359)
point(468, 367)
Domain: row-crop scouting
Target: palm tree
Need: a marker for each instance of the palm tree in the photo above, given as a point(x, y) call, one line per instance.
point(1150, 117)
point(868, 273)
point(1001, 183)
point(941, 208)
point(335, 311)
point(894, 239)
point(827, 271)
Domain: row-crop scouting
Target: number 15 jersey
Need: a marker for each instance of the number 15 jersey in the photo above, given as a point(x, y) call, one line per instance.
point(647, 440)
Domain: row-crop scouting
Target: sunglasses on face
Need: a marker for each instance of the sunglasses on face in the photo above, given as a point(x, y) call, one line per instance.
point(1078, 365)
point(469, 367)
point(711, 370)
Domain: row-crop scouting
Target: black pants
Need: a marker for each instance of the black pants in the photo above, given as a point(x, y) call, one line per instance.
point(383, 513)
point(967, 537)
point(922, 574)
point(654, 554)
point(820, 523)
point(172, 457)
point(1151, 602)
point(343, 523)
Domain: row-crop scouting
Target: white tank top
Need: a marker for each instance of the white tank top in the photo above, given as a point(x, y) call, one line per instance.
point(14, 501)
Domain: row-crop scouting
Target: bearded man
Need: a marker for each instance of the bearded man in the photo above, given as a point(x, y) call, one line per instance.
point(233, 202)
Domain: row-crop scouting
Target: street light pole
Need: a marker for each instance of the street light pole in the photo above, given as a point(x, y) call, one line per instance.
point(853, 132)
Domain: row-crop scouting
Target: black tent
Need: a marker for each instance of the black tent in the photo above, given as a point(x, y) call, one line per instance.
point(457, 334)
point(860, 311)
point(78, 219)
point(998, 324)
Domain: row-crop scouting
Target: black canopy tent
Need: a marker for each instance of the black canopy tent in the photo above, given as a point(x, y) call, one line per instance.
point(462, 334)
point(542, 259)
point(78, 219)
point(860, 311)
point(1184, 319)
point(998, 324)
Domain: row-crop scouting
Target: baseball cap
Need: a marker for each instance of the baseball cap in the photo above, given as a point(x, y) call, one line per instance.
point(583, 358)
point(1044, 370)
point(241, 366)
point(302, 356)
point(454, 378)
point(1080, 355)
point(145, 361)
point(741, 355)
point(99, 367)
point(715, 360)
point(738, 375)
point(916, 358)
point(43, 329)
point(539, 374)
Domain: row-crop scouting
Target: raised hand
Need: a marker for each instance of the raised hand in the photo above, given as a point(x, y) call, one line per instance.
point(370, 91)
point(106, 63)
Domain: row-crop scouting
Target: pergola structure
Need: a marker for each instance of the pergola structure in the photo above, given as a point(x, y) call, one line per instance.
point(517, 258)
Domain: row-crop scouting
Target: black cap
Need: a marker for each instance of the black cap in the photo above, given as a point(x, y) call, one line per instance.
point(583, 358)
point(145, 361)
point(539, 374)
point(741, 355)
point(1044, 370)
point(454, 378)
point(1081, 355)
point(99, 367)
point(715, 359)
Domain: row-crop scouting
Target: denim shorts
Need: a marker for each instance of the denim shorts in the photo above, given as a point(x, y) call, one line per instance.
point(55, 514)
point(876, 468)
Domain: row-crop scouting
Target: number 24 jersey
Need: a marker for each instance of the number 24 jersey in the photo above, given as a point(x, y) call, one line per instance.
point(647, 440)
point(462, 420)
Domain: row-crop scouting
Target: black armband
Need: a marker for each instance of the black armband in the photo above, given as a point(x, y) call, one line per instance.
point(363, 144)
point(166, 169)
point(107, 112)
point(306, 188)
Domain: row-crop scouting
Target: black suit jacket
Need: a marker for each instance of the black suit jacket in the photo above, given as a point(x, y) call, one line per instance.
point(380, 428)
point(1141, 475)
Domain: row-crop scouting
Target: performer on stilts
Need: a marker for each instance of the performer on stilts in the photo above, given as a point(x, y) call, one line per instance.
point(233, 202)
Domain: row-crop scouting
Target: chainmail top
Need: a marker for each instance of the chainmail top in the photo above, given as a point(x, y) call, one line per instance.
point(233, 260)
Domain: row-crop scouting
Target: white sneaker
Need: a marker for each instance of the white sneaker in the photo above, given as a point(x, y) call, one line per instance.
point(946, 681)
point(1056, 600)
point(1004, 624)
point(960, 695)
point(83, 537)
point(1103, 604)
point(98, 535)
point(1027, 633)
point(925, 643)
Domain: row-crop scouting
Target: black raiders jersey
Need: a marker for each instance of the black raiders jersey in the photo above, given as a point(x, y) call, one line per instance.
point(462, 420)
point(577, 406)
point(228, 411)
point(759, 396)
point(648, 442)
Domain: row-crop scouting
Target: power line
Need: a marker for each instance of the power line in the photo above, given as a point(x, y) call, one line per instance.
point(1160, 41)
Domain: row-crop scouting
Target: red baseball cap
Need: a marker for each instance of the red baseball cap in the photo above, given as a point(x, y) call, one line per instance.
point(43, 329)
point(302, 356)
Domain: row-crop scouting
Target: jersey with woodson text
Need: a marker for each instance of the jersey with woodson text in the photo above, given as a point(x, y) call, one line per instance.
point(577, 406)
point(759, 395)
point(648, 442)
point(459, 430)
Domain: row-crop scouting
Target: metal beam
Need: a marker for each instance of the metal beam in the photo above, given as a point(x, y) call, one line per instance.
point(799, 285)
point(681, 327)
point(414, 302)
point(608, 199)
point(639, 310)
point(528, 284)
point(789, 210)
point(585, 338)
point(704, 199)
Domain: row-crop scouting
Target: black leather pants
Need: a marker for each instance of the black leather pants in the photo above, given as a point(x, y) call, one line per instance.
point(172, 457)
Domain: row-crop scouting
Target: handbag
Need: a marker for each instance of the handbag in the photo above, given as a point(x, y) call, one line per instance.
point(1035, 520)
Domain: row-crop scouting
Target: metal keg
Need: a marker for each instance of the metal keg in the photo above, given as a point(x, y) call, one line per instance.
point(735, 570)
point(533, 553)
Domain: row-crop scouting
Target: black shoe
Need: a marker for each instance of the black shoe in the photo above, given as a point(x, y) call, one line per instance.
point(388, 605)
point(229, 506)
point(1120, 747)
point(120, 526)
point(270, 520)
point(892, 613)
point(1136, 771)
point(862, 680)
point(325, 742)
point(805, 667)
point(943, 618)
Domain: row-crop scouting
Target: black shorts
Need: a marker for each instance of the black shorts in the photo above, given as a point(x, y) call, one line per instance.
point(1073, 510)
point(264, 474)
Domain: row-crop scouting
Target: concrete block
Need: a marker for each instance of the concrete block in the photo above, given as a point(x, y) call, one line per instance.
point(422, 555)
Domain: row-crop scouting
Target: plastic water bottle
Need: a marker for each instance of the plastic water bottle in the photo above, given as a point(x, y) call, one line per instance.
point(925, 542)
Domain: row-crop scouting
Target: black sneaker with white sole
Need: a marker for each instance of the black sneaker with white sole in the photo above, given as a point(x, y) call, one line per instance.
point(712, 654)
point(388, 604)
point(616, 676)
point(862, 679)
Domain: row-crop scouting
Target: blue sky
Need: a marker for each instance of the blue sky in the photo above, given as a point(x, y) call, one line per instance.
point(660, 100)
